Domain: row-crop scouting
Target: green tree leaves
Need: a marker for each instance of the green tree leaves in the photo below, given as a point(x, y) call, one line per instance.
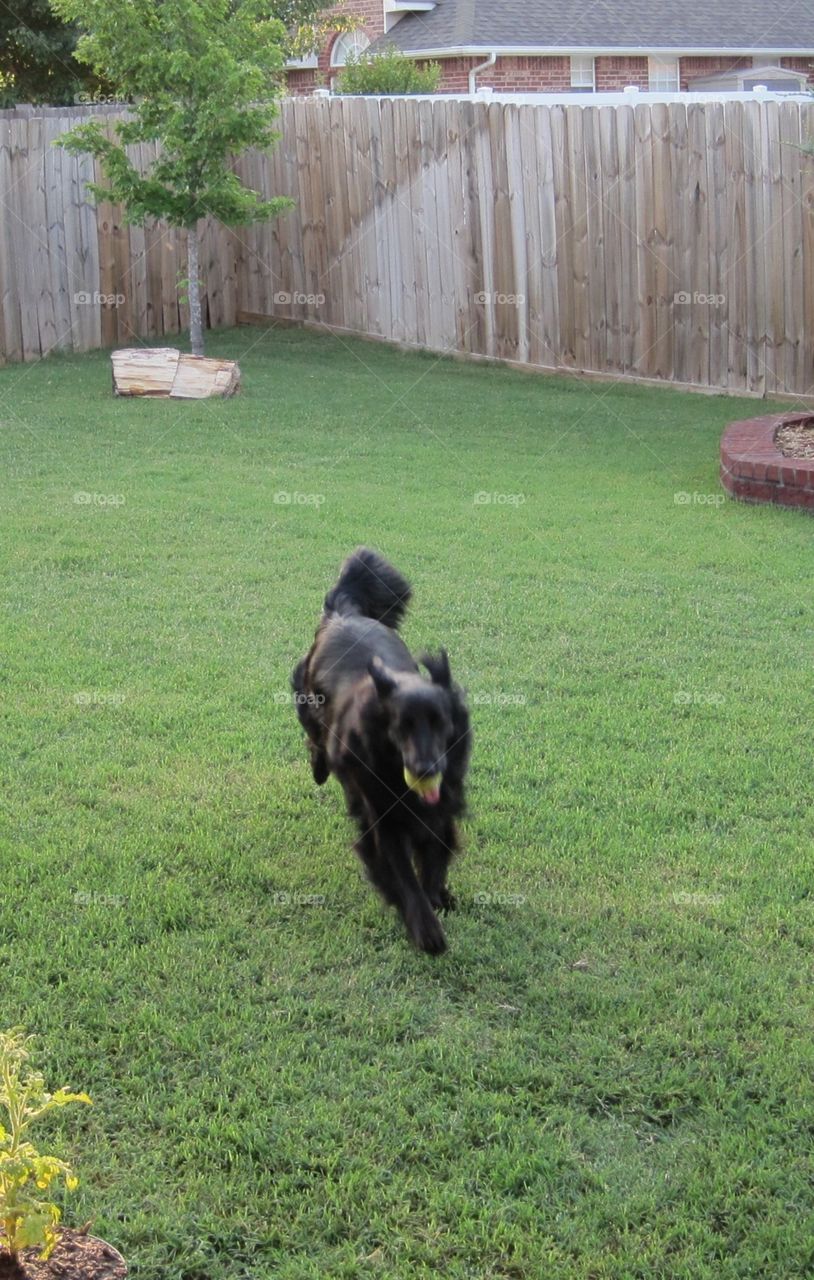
point(203, 76)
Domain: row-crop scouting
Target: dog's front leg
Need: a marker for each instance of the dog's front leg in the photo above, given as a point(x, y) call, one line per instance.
point(434, 851)
point(392, 873)
point(308, 705)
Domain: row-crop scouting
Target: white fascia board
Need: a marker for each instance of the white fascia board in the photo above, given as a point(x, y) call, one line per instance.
point(641, 51)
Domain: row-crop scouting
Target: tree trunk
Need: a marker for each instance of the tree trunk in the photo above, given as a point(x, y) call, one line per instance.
point(196, 340)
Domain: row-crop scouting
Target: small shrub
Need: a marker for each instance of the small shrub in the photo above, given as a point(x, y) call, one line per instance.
point(386, 72)
point(26, 1220)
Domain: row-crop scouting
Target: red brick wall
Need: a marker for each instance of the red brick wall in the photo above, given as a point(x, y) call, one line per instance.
point(799, 64)
point(370, 11)
point(511, 75)
point(302, 81)
point(539, 75)
point(455, 74)
point(525, 75)
point(614, 71)
point(689, 68)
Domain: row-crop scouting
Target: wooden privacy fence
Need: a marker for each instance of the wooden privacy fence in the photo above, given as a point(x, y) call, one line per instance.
point(74, 276)
point(660, 241)
point(673, 242)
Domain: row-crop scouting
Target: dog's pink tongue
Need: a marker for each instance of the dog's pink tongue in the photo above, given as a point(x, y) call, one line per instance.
point(432, 797)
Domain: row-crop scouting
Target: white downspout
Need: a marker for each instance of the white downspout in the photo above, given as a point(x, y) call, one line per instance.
point(490, 62)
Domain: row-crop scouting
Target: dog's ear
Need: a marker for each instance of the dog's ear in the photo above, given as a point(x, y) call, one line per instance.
point(382, 678)
point(438, 668)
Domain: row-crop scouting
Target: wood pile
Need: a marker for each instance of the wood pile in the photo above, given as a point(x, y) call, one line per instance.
point(164, 371)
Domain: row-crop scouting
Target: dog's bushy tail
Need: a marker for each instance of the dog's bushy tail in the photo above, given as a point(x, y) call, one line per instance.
point(369, 586)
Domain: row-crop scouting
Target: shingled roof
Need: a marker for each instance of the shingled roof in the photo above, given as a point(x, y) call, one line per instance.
point(629, 26)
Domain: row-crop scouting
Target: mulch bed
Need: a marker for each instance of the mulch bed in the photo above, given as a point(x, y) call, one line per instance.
point(75, 1257)
point(796, 439)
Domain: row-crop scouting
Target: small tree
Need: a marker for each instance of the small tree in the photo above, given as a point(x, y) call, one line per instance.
point(387, 71)
point(202, 77)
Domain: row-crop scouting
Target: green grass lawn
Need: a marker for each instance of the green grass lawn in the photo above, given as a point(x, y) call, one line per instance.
point(611, 1072)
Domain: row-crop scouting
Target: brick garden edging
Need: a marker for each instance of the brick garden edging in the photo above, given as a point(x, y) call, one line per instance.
point(754, 470)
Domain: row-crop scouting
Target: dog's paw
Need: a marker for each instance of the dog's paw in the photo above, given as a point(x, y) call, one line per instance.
point(427, 934)
point(442, 899)
point(433, 941)
point(319, 766)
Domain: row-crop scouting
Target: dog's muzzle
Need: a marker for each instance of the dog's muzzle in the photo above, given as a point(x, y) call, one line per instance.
point(427, 788)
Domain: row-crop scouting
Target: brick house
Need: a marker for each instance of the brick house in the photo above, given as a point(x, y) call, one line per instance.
point(540, 46)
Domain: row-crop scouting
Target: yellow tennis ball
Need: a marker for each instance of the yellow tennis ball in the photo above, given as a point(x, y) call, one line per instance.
point(422, 785)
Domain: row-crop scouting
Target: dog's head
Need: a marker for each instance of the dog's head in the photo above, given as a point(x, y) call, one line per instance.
point(420, 720)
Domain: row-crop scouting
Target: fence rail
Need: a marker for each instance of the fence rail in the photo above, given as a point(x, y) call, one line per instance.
point(672, 241)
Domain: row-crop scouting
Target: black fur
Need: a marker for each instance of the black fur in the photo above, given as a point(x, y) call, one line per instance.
point(369, 714)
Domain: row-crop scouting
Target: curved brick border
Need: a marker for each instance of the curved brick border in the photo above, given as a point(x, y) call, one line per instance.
point(754, 470)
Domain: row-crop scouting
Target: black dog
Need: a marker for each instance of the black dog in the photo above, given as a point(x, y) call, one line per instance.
point(398, 742)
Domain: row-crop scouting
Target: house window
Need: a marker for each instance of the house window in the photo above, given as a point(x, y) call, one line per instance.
point(582, 73)
point(352, 42)
point(663, 75)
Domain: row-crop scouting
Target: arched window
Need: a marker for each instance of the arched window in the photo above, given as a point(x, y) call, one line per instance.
point(354, 42)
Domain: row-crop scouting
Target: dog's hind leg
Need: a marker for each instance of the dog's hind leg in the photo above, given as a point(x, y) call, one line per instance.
point(384, 853)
